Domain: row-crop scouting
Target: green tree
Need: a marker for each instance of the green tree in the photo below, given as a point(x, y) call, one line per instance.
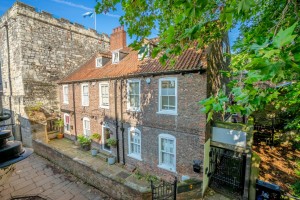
point(266, 53)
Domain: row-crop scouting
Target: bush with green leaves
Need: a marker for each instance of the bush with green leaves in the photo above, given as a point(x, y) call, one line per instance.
point(83, 140)
point(111, 142)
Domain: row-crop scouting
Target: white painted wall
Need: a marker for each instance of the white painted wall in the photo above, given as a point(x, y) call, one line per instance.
point(229, 136)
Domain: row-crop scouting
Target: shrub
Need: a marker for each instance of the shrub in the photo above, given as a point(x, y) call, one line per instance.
point(83, 140)
point(111, 142)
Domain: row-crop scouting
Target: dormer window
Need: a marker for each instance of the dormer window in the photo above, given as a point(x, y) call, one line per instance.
point(115, 57)
point(99, 62)
point(144, 52)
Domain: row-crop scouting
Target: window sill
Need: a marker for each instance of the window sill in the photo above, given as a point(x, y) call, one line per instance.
point(104, 107)
point(133, 110)
point(135, 157)
point(163, 112)
point(66, 103)
point(85, 105)
point(166, 167)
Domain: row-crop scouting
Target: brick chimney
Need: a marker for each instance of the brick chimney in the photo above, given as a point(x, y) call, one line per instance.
point(118, 38)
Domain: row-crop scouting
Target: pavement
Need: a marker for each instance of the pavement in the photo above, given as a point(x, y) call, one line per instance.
point(36, 176)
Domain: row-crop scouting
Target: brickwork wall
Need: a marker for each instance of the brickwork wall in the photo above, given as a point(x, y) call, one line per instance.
point(188, 126)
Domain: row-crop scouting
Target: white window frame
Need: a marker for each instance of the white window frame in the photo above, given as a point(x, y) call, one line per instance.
point(171, 168)
point(105, 125)
point(113, 57)
point(85, 133)
point(128, 99)
point(65, 123)
point(160, 110)
point(65, 94)
point(82, 97)
point(130, 153)
point(98, 62)
point(100, 94)
point(146, 53)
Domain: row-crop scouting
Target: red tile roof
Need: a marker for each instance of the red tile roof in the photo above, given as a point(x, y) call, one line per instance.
point(190, 60)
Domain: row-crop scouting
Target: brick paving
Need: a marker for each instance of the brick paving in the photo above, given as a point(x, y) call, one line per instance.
point(35, 176)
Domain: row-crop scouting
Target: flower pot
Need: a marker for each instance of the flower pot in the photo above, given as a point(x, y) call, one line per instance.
point(59, 135)
point(94, 152)
point(111, 160)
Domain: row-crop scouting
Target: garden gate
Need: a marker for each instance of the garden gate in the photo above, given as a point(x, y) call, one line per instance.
point(164, 191)
point(227, 170)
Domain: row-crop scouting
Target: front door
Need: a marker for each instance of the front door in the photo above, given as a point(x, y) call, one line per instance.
point(105, 137)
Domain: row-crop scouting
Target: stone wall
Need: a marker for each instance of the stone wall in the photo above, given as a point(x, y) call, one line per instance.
point(43, 49)
point(89, 175)
point(188, 126)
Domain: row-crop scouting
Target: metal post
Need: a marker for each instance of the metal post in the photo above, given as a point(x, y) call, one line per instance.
point(175, 187)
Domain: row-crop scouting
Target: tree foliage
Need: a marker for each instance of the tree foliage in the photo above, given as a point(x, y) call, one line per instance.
point(266, 55)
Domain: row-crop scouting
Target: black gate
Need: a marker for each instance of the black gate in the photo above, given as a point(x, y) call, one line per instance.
point(164, 191)
point(227, 170)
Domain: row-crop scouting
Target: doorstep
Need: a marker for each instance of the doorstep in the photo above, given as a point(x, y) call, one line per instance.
point(113, 180)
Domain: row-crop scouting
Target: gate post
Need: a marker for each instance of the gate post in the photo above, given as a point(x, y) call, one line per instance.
point(175, 187)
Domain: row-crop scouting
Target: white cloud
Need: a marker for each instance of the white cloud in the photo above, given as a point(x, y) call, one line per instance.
point(82, 7)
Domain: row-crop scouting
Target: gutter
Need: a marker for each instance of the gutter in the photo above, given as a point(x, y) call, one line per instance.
point(117, 125)
point(121, 119)
point(74, 107)
point(201, 71)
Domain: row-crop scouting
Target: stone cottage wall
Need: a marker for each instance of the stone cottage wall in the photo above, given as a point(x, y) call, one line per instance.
point(43, 49)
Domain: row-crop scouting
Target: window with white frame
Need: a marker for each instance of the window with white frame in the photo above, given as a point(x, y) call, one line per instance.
point(86, 126)
point(168, 95)
point(144, 52)
point(67, 122)
point(133, 94)
point(104, 95)
point(134, 143)
point(65, 94)
point(99, 62)
point(115, 57)
point(85, 94)
point(167, 152)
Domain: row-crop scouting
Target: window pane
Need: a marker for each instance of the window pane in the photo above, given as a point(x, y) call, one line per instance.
point(165, 102)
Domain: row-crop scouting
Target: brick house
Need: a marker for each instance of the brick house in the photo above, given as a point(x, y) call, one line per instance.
point(152, 110)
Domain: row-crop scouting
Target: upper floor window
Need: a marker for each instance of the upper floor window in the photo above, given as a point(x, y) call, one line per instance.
point(133, 93)
point(167, 152)
point(134, 143)
point(85, 94)
point(104, 95)
point(99, 62)
point(67, 122)
point(115, 57)
point(144, 52)
point(65, 94)
point(168, 96)
point(86, 126)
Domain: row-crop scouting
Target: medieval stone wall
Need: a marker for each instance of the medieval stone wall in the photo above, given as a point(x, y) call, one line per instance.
point(43, 49)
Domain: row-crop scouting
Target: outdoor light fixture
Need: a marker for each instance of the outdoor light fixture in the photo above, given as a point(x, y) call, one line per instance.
point(197, 166)
point(148, 80)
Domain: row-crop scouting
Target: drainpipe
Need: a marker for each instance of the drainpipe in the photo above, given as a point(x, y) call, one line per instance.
point(117, 125)
point(121, 118)
point(9, 75)
point(74, 111)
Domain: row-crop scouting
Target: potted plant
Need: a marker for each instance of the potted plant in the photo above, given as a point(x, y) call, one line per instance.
point(85, 142)
point(111, 142)
point(60, 124)
point(96, 137)
point(94, 151)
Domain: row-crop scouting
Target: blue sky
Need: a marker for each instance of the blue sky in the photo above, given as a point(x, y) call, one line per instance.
point(74, 9)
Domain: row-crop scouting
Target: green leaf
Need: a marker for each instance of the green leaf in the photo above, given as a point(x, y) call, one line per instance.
point(284, 37)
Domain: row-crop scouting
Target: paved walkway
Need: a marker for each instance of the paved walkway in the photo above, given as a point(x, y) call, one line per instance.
point(36, 176)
